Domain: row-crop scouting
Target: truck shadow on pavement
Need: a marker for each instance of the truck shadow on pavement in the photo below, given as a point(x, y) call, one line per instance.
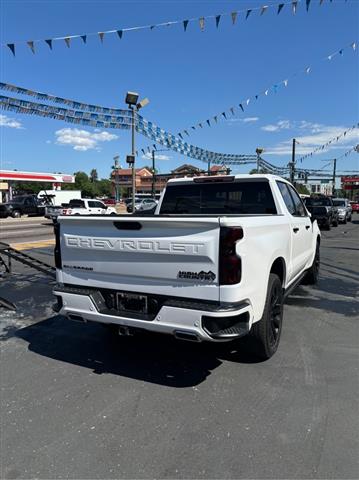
point(154, 358)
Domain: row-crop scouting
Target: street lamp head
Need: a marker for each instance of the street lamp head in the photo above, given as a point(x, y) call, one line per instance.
point(131, 98)
point(142, 103)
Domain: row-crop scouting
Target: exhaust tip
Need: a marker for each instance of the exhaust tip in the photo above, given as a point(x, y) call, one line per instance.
point(188, 336)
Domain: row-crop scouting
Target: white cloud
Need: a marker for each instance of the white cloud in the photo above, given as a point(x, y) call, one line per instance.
point(281, 125)
point(82, 140)
point(317, 135)
point(250, 119)
point(6, 121)
point(148, 156)
point(243, 120)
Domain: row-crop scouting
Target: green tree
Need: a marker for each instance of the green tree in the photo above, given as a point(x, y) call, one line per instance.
point(302, 189)
point(93, 175)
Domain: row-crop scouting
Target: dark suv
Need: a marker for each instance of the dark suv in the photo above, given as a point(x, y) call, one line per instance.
point(323, 211)
point(24, 204)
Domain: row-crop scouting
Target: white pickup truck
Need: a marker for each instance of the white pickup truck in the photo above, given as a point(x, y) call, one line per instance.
point(81, 206)
point(213, 263)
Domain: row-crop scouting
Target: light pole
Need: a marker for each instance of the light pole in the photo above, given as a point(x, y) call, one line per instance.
point(131, 100)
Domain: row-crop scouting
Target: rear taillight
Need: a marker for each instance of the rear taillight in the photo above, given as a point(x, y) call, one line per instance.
point(230, 268)
point(57, 250)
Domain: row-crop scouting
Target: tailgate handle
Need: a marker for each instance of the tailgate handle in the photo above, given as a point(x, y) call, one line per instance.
point(127, 225)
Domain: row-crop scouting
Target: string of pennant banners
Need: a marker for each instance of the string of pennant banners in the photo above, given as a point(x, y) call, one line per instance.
point(71, 103)
point(329, 142)
point(242, 106)
point(146, 128)
point(201, 21)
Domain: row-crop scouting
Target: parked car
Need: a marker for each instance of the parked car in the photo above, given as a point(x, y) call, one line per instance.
point(355, 206)
point(22, 205)
point(108, 201)
point(84, 206)
point(213, 264)
point(323, 211)
point(344, 209)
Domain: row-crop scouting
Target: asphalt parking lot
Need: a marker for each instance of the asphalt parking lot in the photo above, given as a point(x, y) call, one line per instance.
point(77, 402)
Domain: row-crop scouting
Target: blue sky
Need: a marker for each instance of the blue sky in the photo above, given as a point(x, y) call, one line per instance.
point(188, 77)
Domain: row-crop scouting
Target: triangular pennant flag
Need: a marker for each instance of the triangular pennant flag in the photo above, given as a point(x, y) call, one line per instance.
point(234, 17)
point(330, 57)
point(218, 18)
point(49, 42)
point(201, 23)
point(200, 124)
point(152, 27)
point(84, 38)
point(341, 52)
point(285, 83)
point(180, 135)
point(208, 122)
point(31, 45)
point(280, 6)
point(256, 97)
point(294, 6)
point(232, 110)
point(354, 46)
point(248, 13)
point(307, 70)
point(120, 33)
point(67, 41)
point(247, 101)
point(215, 118)
point(142, 150)
point(154, 146)
point(241, 107)
point(185, 131)
point(266, 92)
point(101, 35)
point(185, 24)
point(193, 128)
point(224, 114)
point(307, 3)
point(264, 9)
point(12, 47)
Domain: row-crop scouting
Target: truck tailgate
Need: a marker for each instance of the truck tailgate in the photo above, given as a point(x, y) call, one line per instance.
point(168, 256)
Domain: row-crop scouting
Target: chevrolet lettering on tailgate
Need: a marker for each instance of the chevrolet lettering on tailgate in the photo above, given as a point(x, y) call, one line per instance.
point(124, 245)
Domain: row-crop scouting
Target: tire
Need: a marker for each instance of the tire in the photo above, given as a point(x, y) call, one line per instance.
point(350, 219)
point(335, 223)
point(16, 214)
point(345, 220)
point(327, 225)
point(268, 330)
point(312, 275)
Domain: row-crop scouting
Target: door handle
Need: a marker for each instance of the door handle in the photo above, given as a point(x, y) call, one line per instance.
point(296, 229)
point(307, 227)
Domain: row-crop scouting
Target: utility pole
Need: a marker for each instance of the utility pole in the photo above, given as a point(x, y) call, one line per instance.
point(334, 173)
point(209, 168)
point(115, 167)
point(292, 163)
point(259, 152)
point(133, 108)
point(153, 175)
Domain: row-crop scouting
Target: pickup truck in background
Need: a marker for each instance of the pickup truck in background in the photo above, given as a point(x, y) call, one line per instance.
point(22, 205)
point(82, 206)
point(214, 263)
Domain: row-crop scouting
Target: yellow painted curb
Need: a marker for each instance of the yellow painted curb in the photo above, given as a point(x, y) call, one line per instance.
point(30, 245)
